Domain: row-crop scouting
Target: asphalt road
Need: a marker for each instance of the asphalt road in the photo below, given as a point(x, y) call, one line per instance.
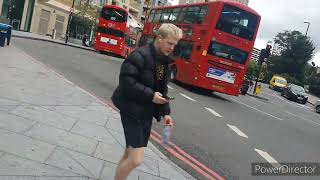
point(225, 133)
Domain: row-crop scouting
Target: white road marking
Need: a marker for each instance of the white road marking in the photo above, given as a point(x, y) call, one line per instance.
point(267, 94)
point(238, 131)
point(213, 112)
point(257, 109)
point(187, 97)
point(267, 157)
point(170, 87)
point(317, 124)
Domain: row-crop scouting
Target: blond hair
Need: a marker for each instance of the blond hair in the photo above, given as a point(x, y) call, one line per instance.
point(167, 29)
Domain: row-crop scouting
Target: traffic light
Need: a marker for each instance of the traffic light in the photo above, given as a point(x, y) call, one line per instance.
point(265, 53)
point(268, 50)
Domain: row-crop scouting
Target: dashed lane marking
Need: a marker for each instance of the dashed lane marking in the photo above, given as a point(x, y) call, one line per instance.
point(267, 157)
point(187, 97)
point(213, 112)
point(237, 130)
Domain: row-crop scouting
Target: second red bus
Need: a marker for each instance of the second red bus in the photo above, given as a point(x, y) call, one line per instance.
point(117, 31)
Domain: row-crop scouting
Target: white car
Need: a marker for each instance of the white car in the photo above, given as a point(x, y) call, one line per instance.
point(317, 106)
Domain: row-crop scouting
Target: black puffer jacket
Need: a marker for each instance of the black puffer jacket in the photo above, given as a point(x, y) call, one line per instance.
point(134, 94)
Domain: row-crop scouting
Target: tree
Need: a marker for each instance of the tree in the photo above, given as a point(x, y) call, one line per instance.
point(295, 50)
point(85, 18)
point(252, 69)
point(315, 84)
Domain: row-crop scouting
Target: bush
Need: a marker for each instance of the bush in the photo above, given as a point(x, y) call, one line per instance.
point(314, 87)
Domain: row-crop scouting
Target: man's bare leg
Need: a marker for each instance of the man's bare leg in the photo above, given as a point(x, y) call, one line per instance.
point(126, 165)
point(124, 156)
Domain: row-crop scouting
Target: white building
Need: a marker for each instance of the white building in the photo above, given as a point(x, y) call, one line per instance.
point(255, 54)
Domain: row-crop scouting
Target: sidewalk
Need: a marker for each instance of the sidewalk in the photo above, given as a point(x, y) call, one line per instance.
point(50, 129)
point(250, 93)
point(312, 99)
point(27, 35)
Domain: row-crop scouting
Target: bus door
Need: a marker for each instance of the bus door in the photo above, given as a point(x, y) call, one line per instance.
point(185, 66)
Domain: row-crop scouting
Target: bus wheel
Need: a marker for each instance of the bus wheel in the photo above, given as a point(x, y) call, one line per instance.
point(173, 73)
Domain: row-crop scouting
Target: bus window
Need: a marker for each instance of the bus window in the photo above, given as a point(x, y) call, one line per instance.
point(183, 49)
point(237, 22)
point(182, 14)
point(112, 32)
point(227, 52)
point(191, 16)
point(202, 14)
point(157, 16)
point(151, 16)
point(175, 14)
point(165, 16)
point(113, 14)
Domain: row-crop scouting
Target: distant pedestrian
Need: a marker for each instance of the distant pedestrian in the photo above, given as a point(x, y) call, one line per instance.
point(250, 85)
point(9, 31)
point(142, 95)
point(85, 40)
point(258, 90)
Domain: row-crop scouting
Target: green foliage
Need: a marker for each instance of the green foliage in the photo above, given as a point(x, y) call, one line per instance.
point(84, 19)
point(294, 51)
point(252, 69)
point(314, 87)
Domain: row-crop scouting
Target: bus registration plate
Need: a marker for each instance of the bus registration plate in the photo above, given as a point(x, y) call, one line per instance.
point(221, 75)
point(108, 40)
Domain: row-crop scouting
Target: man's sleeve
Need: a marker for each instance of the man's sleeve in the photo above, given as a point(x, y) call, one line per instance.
point(129, 79)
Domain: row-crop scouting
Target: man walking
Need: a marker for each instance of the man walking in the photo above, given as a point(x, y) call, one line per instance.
point(142, 95)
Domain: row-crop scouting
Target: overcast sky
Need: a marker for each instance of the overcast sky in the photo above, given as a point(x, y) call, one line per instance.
point(280, 15)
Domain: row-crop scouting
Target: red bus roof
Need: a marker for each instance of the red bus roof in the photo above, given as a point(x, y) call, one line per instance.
point(236, 4)
point(116, 7)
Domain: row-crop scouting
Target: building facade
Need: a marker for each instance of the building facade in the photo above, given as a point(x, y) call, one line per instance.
point(246, 2)
point(18, 13)
point(148, 4)
point(40, 16)
point(255, 54)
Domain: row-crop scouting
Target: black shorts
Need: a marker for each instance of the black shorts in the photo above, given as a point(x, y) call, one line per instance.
point(136, 133)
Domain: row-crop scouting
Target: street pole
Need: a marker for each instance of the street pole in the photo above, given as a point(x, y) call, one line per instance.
point(255, 85)
point(306, 22)
point(70, 15)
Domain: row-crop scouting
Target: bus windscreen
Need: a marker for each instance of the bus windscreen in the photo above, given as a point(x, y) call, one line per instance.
point(114, 15)
point(237, 22)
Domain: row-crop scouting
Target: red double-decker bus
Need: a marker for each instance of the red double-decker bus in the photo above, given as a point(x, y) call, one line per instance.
point(117, 31)
point(218, 40)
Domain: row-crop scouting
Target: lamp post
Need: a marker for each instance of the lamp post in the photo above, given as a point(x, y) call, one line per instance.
point(70, 15)
point(306, 22)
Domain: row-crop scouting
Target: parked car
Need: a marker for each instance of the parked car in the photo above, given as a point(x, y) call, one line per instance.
point(295, 93)
point(317, 106)
point(277, 83)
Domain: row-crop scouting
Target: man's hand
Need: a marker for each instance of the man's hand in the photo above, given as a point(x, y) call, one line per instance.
point(168, 120)
point(158, 99)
